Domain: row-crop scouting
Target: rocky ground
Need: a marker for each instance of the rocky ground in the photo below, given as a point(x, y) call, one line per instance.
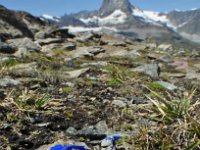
point(61, 88)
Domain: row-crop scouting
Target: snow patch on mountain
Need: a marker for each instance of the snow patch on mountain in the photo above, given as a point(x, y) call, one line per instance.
point(49, 17)
point(116, 17)
point(73, 29)
point(153, 17)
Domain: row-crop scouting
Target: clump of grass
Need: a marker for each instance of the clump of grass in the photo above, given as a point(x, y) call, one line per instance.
point(50, 75)
point(118, 74)
point(156, 86)
point(58, 52)
point(68, 89)
point(177, 115)
point(4, 70)
point(10, 62)
point(41, 102)
point(126, 139)
point(84, 82)
point(114, 82)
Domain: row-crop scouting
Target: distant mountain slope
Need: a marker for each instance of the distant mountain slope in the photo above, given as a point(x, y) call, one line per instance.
point(121, 16)
point(15, 24)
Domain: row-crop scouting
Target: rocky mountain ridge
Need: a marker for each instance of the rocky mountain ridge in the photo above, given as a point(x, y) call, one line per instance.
point(123, 17)
point(16, 24)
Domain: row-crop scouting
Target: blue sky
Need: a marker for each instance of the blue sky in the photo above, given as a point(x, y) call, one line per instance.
point(59, 7)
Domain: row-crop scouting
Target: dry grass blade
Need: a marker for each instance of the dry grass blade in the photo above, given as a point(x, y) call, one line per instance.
point(195, 124)
point(157, 105)
point(158, 96)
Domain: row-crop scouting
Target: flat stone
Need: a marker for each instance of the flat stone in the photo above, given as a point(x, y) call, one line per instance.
point(29, 69)
point(96, 132)
point(49, 41)
point(5, 48)
point(153, 70)
point(80, 53)
point(7, 81)
point(102, 126)
point(119, 103)
point(69, 46)
point(24, 43)
point(95, 50)
point(76, 73)
point(71, 131)
point(167, 85)
point(96, 64)
point(165, 47)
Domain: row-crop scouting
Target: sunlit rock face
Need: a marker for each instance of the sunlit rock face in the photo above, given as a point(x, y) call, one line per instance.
point(109, 6)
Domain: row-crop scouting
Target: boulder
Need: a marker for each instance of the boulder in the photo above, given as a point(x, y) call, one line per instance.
point(96, 132)
point(88, 36)
point(50, 47)
point(25, 43)
point(153, 70)
point(5, 48)
point(40, 35)
point(49, 41)
point(119, 103)
point(69, 46)
point(165, 47)
point(80, 53)
point(125, 53)
point(7, 81)
point(25, 70)
point(58, 33)
point(95, 50)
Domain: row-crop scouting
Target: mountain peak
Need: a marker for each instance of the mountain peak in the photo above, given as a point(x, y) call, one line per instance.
point(109, 6)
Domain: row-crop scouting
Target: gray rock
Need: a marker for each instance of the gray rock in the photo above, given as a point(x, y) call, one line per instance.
point(71, 131)
point(153, 70)
point(80, 53)
point(102, 127)
point(166, 59)
point(7, 81)
point(76, 73)
point(54, 32)
point(167, 85)
point(58, 33)
point(85, 37)
point(5, 48)
point(25, 43)
point(109, 6)
point(160, 57)
point(192, 74)
point(50, 47)
point(96, 64)
point(125, 53)
point(25, 70)
point(94, 132)
point(49, 41)
point(165, 47)
point(40, 35)
point(69, 46)
point(91, 133)
point(95, 50)
point(107, 145)
point(119, 103)
point(3, 59)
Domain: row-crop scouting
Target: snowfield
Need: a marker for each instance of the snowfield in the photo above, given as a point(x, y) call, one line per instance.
point(116, 17)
